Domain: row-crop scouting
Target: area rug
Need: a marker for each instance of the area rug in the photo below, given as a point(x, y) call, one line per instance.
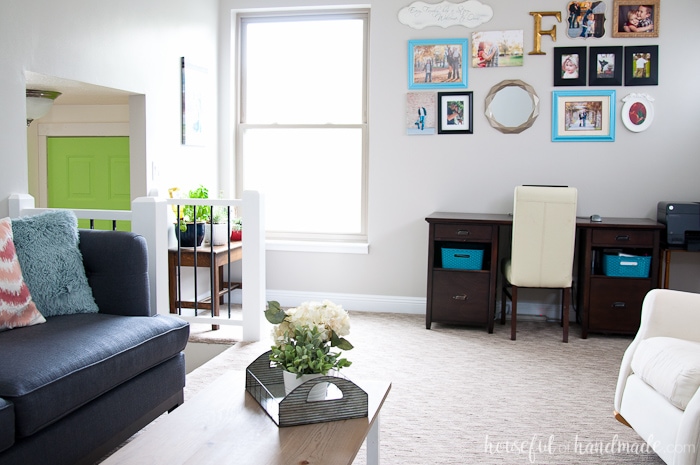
point(462, 396)
point(226, 334)
point(204, 334)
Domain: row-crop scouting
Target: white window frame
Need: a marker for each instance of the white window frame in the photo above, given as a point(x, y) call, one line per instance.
point(316, 242)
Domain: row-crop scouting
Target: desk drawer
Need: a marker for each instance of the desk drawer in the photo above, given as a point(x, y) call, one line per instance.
point(463, 232)
point(622, 238)
point(616, 304)
point(460, 297)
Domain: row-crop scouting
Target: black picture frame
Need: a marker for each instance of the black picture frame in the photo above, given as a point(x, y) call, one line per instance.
point(606, 66)
point(455, 112)
point(564, 58)
point(650, 74)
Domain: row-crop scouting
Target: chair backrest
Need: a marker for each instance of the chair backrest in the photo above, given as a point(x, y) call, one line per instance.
point(544, 234)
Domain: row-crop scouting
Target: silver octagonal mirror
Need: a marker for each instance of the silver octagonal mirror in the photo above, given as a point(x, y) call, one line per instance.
point(512, 106)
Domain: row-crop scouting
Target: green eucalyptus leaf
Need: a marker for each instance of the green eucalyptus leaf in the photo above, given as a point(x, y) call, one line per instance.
point(274, 313)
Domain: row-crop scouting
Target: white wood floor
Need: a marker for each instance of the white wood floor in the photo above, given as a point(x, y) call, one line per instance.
point(197, 354)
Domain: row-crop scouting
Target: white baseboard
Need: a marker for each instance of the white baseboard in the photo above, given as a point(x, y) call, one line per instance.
point(399, 304)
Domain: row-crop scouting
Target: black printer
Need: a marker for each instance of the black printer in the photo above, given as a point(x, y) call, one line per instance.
point(682, 220)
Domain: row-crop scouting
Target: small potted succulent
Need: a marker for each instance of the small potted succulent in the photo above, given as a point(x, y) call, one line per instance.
point(236, 229)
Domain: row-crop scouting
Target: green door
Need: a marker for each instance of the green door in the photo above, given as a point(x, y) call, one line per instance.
point(89, 173)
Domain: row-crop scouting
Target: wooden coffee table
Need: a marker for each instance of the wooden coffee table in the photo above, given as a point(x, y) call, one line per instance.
point(224, 424)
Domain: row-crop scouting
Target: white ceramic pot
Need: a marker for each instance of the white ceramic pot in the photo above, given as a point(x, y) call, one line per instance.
point(291, 382)
point(220, 233)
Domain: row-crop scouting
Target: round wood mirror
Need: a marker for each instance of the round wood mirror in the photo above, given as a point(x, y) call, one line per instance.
point(512, 106)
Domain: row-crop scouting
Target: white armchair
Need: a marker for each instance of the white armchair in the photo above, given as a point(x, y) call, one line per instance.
point(657, 390)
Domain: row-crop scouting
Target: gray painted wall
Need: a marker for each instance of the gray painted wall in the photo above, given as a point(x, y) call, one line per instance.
point(135, 46)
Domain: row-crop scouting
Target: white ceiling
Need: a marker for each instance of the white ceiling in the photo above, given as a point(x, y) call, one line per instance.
point(77, 93)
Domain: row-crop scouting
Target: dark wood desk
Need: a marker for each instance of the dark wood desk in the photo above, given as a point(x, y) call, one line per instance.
point(220, 255)
point(604, 303)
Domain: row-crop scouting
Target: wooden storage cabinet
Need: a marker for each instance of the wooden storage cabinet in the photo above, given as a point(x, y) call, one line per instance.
point(612, 304)
point(616, 303)
point(462, 296)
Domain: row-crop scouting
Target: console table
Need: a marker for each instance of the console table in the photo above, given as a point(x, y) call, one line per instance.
point(604, 304)
point(220, 255)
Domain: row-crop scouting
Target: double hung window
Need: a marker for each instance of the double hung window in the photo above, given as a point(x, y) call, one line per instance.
point(302, 122)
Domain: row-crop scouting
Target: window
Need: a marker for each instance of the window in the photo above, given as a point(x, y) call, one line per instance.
point(302, 131)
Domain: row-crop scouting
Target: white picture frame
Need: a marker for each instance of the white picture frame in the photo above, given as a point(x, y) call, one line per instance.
point(637, 112)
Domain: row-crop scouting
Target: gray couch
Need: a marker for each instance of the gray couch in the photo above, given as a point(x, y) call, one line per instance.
point(75, 387)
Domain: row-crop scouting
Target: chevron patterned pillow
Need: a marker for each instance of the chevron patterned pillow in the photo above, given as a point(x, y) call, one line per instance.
point(16, 305)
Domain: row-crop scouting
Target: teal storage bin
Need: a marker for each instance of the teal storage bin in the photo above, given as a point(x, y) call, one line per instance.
point(628, 266)
point(462, 259)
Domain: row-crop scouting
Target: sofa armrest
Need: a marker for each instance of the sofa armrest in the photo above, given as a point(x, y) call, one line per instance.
point(116, 265)
point(665, 312)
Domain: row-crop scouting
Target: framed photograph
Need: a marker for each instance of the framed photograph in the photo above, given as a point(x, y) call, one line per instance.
point(605, 66)
point(569, 66)
point(437, 63)
point(193, 85)
point(637, 112)
point(583, 116)
point(642, 65)
point(497, 49)
point(421, 115)
point(632, 18)
point(455, 113)
point(585, 19)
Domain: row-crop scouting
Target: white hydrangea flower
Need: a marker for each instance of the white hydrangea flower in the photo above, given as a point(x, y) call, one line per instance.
point(326, 316)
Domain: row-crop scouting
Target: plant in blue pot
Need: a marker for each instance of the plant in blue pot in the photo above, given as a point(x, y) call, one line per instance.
point(193, 219)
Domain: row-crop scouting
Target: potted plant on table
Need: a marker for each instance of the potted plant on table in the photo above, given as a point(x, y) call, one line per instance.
point(193, 219)
point(218, 232)
point(237, 229)
point(303, 338)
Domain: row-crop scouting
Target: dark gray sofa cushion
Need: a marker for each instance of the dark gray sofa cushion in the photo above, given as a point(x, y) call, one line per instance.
point(50, 370)
point(96, 429)
point(7, 424)
point(115, 261)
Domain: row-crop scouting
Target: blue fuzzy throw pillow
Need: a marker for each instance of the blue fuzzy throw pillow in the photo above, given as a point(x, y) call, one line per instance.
point(52, 265)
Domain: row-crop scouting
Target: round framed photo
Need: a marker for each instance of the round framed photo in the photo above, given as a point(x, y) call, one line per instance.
point(637, 112)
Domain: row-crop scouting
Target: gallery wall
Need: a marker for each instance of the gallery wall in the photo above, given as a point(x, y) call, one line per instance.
point(412, 176)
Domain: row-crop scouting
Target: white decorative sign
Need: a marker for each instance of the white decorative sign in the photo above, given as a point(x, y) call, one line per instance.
point(468, 14)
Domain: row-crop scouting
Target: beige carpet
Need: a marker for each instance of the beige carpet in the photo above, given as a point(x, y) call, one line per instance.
point(462, 396)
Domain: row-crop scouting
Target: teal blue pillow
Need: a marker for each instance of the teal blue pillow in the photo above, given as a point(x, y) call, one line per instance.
point(51, 262)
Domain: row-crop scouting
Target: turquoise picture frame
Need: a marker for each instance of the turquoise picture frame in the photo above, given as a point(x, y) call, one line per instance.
point(583, 116)
point(438, 63)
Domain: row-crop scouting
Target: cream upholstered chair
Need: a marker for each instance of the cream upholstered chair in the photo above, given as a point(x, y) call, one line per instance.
point(657, 389)
point(542, 248)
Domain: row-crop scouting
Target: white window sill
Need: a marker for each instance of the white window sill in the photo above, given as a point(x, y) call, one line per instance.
point(325, 247)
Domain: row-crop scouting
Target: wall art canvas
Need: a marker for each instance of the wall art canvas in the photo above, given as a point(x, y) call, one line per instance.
point(421, 114)
point(193, 82)
point(585, 19)
point(497, 49)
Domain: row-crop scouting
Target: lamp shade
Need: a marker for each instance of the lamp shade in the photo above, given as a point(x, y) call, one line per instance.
point(39, 103)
